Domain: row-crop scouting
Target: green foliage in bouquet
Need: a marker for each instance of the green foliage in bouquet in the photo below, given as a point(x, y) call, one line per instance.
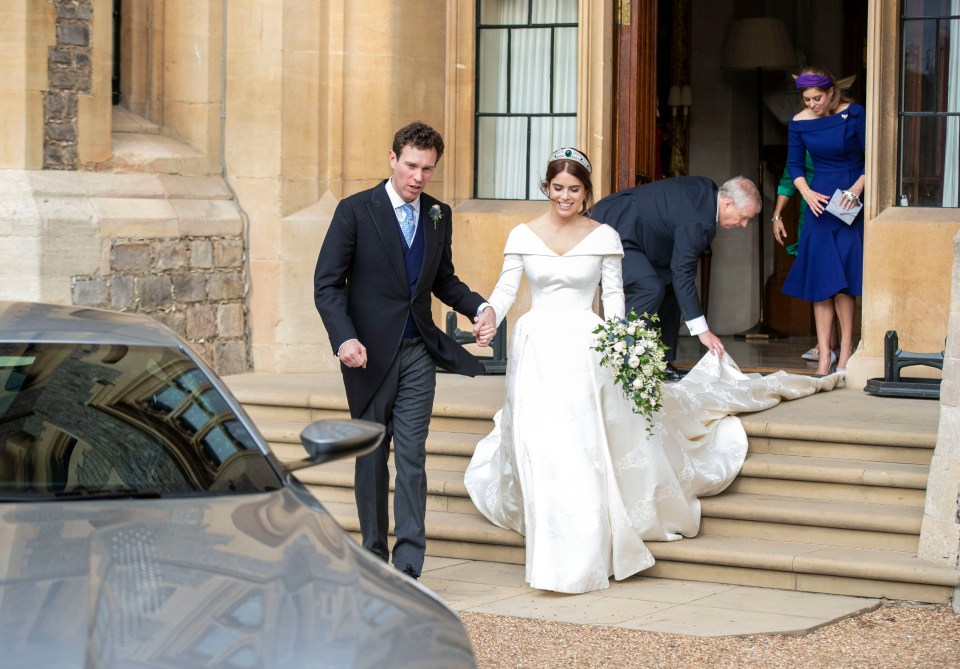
point(633, 351)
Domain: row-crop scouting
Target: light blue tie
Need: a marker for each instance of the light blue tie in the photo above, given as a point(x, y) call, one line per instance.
point(407, 225)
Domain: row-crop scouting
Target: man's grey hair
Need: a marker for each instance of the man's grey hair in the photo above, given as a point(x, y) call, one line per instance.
point(742, 191)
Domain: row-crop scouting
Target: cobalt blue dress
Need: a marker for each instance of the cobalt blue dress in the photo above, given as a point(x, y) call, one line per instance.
point(830, 254)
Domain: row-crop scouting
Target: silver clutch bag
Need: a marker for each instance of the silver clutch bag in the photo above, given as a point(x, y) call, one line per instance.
point(848, 216)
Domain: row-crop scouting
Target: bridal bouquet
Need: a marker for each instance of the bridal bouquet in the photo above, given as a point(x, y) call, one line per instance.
point(634, 353)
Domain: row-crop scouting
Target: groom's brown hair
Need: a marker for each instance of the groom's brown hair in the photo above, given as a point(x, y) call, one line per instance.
point(418, 135)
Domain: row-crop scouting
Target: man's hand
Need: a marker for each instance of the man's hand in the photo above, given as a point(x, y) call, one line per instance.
point(712, 342)
point(353, 354)
point(485, 326)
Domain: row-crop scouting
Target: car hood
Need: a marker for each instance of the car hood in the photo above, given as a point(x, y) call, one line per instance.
point(264, 580)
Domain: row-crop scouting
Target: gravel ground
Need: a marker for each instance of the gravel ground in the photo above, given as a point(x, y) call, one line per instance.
point(895, 635)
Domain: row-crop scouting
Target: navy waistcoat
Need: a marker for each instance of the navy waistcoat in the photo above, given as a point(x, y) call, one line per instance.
point(413, 258)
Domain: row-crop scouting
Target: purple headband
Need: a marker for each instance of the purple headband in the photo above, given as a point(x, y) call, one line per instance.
point(814, 81)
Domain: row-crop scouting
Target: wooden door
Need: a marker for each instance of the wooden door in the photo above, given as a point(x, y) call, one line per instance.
point(635, 82)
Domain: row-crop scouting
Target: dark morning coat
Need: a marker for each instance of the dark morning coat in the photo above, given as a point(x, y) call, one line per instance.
point(361, 288)
point(671, 222)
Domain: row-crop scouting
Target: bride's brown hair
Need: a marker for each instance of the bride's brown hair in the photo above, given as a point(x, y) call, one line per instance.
point(575, 169)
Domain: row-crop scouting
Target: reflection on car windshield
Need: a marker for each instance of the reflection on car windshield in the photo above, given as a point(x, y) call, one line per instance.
point(101, 419)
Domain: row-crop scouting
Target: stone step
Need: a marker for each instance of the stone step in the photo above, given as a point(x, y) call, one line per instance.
point(265, 416)
point(831, 522)
point(875, 476)
point(460, 444)
point(828, 478)
point(826, 501)
point(903, 453)
point(762, 474)
point(784, 565)
point(843, 472)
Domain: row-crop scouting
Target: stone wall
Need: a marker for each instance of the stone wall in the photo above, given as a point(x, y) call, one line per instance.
point(70, 74)
point(194, 285)
point(940, 532)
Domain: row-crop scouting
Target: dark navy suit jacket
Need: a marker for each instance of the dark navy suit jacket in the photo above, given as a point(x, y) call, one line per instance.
point(361, 288)
point(670, 222)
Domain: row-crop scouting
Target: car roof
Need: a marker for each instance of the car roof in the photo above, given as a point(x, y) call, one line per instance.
point(52, 323)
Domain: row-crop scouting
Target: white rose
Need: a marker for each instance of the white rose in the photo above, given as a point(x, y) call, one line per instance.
point(637, 383)
point(634, 362)
point(620, 347)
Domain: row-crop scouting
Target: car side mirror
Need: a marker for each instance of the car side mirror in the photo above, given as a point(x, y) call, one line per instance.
point(327, 440)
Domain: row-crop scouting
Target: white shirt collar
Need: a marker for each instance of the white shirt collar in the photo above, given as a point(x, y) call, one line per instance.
point(398, 202)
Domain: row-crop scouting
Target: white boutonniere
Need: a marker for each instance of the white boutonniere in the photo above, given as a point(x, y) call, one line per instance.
point(435, 215)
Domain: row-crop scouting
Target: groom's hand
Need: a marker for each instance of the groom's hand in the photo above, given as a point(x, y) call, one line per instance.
point(353, 354)
point(485, 326)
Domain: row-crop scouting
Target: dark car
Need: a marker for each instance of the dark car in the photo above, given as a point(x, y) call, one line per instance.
point(144, 522)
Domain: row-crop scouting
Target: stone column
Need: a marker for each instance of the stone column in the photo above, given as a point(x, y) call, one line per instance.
point(30, 30)
point(940, 532)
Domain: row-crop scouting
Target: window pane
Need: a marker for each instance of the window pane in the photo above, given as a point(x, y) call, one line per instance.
point(526, 70)
point(921, 176)
point(913, 8)
point(930, 89)
point(565, 71)
point(122, 438)
point(554, 11)
point(546, 136)
point(492, 69)
point(926, 47)
point(503, 12)
point(501, 158)
point(218, 445)
point(530, 72)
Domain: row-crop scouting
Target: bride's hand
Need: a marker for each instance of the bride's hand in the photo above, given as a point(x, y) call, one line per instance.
point(485, 327)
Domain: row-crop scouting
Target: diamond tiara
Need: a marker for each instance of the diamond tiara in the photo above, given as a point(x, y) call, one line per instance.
point(570, 154)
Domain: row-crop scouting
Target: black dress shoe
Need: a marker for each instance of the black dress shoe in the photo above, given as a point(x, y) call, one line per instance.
point(408, 570)
point(673, 374)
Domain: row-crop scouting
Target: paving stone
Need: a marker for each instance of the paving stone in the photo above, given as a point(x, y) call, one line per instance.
point(225, 287)
point(122, 292)
point(201, 321)
point(176, 320)
point(230, 320)
point(90, 292)
point(201, 254)
point(230, 357)
point(190, 286)
point(77, 34)
point(170, 254)
point(131, 256)
point(155, 292)
point(228, 253)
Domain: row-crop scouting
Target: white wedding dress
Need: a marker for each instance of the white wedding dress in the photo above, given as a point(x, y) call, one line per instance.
point(568, 464)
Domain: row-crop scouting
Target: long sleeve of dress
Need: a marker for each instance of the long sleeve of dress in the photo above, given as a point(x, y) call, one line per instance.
point(611, 287)
point(505, 292)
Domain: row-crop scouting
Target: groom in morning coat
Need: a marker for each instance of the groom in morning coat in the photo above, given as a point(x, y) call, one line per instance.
point(386, 251)
point(665, 226)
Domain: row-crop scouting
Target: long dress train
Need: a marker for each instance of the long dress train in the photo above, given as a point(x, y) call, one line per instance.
point(568, 464)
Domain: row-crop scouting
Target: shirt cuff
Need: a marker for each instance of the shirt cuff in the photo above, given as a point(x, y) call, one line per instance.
point(482, 307)
point(697, 325)
point(344, 344)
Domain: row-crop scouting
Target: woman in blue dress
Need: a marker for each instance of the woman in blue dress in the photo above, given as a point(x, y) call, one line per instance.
point(828, 270)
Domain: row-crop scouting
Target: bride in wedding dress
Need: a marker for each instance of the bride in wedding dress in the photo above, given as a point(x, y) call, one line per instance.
point(568, 464)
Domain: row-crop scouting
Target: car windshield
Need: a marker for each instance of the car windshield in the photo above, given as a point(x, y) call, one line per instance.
point(79, 421)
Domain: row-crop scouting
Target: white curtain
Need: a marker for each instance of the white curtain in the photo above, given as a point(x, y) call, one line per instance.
point(951, 160)
point(505, 169)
